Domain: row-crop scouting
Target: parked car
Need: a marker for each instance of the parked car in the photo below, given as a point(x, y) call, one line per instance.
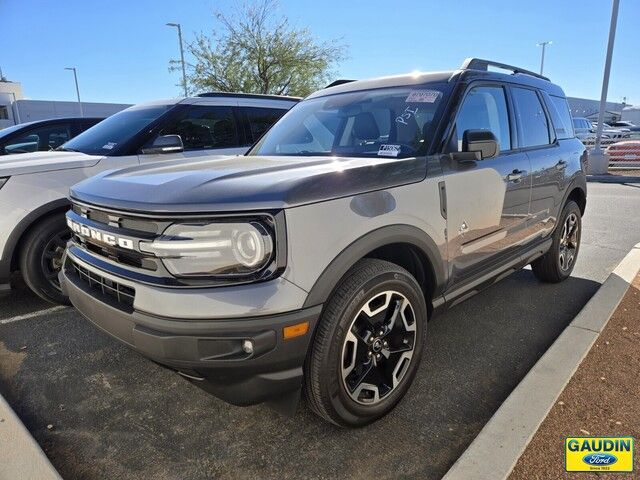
point(584, 130)
point(613, 133)
point(625, 125)
point(42, 135)
point(34, 187)
point(624, 154)
point(315, 262)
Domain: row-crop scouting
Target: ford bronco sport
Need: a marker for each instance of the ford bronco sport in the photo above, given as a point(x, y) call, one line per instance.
point(314, 263)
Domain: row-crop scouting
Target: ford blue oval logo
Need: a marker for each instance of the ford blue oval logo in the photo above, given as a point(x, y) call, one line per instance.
point(599, 459)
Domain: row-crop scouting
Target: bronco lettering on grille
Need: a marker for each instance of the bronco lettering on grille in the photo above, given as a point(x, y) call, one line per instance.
point(99, 236)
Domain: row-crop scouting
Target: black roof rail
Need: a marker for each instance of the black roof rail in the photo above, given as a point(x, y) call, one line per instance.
point(480, 64)
point(248, 95)
point(340, 81)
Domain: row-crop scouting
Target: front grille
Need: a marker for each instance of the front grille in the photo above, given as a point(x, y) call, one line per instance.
point(119, 225)
point(120, 220)
point(113, 293)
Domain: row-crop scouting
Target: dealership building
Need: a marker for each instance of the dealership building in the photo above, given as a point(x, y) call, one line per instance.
point(14, 108)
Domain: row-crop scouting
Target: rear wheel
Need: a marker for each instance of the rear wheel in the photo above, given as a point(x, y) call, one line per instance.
point(557, 264)
point(41, 257)
point(367, 346)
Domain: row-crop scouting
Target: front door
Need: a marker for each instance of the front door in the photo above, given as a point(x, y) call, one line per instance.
point(487, 200)
point(205, 130)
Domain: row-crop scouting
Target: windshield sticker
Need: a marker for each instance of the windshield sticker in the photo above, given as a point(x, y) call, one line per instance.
point(389, 150)
point(109, 145)
point(406, 115)
point(423, 96)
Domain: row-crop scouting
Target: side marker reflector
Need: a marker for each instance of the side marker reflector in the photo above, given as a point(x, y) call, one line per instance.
point(296, 330)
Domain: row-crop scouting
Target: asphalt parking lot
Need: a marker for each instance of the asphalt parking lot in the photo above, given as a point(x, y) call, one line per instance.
point(113, 414)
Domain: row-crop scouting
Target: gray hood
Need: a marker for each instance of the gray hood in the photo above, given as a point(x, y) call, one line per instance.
point(38, 162)
point(243, 183)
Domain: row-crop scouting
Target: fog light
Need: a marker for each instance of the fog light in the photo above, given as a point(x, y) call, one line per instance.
point(247, 346)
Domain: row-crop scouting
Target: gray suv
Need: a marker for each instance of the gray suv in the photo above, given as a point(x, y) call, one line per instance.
point(313, 264)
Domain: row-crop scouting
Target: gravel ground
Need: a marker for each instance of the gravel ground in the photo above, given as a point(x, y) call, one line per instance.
point(602, 399)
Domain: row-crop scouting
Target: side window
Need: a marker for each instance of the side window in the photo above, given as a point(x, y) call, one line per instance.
point(39, 139)
point(485, 108)
point(204, 127)
point(532, 121)
point(560, 116)
point(260, 120)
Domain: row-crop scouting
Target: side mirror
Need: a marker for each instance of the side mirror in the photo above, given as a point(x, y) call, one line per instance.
point(165, 144)
point(482, 141)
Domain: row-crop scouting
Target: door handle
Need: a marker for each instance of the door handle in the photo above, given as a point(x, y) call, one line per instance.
point(515, 176)
point(561, 164)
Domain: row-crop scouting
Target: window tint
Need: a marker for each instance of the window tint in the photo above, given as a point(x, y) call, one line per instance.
point(39, 139)
point(531, 118)
point(204, 127)
point(560, 116)
point(260, 120)
point(485, 108)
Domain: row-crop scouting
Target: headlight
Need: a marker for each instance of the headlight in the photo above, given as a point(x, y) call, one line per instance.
point(229, 249)
point(3, 180)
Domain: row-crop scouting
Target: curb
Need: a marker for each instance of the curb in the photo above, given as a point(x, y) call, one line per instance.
point(21, 458)
point(495, 451)
point(613, 179)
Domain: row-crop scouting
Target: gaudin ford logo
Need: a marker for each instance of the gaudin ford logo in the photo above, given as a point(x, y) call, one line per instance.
point(99, 236)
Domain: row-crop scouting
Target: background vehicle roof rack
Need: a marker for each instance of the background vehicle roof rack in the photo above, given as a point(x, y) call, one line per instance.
point(246, 95)
point(480, 64)
point(340, 81)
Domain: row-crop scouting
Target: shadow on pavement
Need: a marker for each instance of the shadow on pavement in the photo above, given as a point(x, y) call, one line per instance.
point(117, 415)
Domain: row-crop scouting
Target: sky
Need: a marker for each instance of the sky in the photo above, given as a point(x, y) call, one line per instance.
point(122, 48)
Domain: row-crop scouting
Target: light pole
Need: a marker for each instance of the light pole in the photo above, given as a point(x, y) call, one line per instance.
point(184, 73)
point(75, 77)
point(543, 45)
point(605, 79)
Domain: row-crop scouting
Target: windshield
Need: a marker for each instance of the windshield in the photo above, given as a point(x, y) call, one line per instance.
point(114, 131)
point(389, 122)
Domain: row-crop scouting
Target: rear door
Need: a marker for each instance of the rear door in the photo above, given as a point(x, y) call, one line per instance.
point(487, 200)
point(257, 120)
point(548, 160)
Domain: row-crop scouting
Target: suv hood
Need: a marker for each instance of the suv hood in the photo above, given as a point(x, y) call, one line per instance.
point(243, 183)
point(38, 162)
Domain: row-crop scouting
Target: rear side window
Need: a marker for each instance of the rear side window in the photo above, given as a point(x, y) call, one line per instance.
point(560, 116)
point(485, 108)
point(260, 120)
point(204, 127)
point(532, 121)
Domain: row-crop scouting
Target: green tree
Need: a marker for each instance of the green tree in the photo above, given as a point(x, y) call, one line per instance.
point(257, 51)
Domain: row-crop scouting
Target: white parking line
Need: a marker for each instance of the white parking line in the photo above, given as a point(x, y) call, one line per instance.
point(27, 316)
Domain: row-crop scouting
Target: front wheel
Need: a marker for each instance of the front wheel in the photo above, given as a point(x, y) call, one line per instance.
point(41, 258)
point(368, 345)
point(557, 264)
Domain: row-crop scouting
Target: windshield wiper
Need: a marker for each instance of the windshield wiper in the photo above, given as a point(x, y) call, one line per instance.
point(66, 149)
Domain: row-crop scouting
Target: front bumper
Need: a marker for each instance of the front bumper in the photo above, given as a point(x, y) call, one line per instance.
point(206, 351)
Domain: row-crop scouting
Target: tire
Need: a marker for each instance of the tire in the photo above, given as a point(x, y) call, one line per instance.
point(381, 288)
point(41, 255)
point(551, 267)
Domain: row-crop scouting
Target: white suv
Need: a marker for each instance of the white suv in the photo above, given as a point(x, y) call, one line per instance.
point(34, 187)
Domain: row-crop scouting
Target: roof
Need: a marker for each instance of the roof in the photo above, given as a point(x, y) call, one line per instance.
point(471, 68)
